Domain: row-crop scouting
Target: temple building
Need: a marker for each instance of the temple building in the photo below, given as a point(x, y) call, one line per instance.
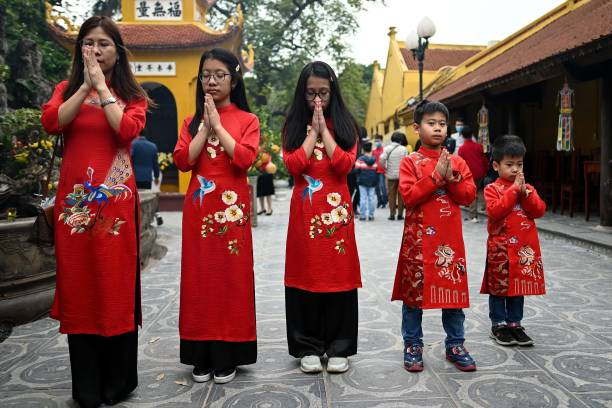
point(551, 84)
point(166, 39)
point(399, 81)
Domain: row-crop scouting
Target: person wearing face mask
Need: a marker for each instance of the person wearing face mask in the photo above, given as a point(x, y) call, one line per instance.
point(381, 186)
point(454, 142)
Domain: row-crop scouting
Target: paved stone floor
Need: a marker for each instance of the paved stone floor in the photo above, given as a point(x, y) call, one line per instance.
point(571, 365)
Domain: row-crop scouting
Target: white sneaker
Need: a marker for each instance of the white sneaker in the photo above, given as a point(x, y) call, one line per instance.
point(474, 220)
point(337, 364)
point(311, 364)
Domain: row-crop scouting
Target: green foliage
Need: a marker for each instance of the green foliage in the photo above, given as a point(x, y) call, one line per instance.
point(5, 72)
point(26, 19)
point(25, 149)
point(286, 34)
point(355, 87)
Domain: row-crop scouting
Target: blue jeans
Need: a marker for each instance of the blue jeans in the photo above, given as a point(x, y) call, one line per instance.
point(506, 309)
point(452, 321)
point(381, 189)
point(367, 201)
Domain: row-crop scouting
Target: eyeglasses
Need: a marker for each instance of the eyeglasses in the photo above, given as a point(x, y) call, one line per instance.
point(324, 94)
point(219, 76)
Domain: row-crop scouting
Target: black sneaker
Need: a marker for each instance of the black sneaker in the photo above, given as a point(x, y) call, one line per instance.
point(518, 331)
point(391, 218)
point(370, 218)
point(400, 217)
point(225, 376)
point(201, 374)
point(503, 335)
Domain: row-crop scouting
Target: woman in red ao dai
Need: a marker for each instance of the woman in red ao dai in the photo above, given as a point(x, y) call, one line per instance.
point(99, 110)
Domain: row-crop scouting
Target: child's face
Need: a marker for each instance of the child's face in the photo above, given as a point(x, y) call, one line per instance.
point(317, 89)
point(509, 167)
point(432, 130)
point(216, 80)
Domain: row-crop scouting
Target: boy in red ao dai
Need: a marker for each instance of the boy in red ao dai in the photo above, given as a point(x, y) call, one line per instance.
point(514, 262)
point(431, 270)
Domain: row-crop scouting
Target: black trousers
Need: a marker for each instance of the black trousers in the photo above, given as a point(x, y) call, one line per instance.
point(218, 355)
point(321, 323)
point(146, 185)
point(104, 369)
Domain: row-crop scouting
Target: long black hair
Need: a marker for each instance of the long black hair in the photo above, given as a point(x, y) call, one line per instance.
point(345, 126)
point(122, 81)
point(237, 93)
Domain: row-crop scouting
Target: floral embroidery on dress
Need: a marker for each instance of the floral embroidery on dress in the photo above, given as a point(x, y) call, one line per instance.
point(213, 147)
point(319, 146)
point(233, 216)
point(328, 223)
point(532, 267)
point(85, 204)
point(340, 246)
point(411, 255)
point(453, 271)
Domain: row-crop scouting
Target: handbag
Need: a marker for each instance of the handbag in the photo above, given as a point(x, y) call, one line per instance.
point(45, 220)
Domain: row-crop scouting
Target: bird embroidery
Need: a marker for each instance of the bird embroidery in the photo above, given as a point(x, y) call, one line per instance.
point(206, 186)
point(313, 186)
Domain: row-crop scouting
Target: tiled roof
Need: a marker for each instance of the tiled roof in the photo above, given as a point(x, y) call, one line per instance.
point(436, 58)
point(160, 36)
point(584, 25)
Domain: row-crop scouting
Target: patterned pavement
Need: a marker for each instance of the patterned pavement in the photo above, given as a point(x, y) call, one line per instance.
point(570, 366)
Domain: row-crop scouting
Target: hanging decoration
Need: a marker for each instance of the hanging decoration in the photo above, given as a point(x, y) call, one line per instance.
point(565, 131)
point(483, 129)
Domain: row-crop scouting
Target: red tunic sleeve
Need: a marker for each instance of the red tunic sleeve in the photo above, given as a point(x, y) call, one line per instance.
point(245, 150)
point(498, 207)
point(295, 161)
point(532, 204)
point(181, 150)
point(50, 115)
point(342, 161)
point(132, 121)
point(462, 189)
point(413, 190)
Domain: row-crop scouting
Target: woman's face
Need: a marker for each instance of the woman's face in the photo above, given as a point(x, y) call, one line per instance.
point(317, 88)
point(216, 80)
point(104, 48)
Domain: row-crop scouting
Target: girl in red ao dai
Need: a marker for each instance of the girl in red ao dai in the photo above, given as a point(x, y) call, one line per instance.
point(217, 144)
point(322, 266)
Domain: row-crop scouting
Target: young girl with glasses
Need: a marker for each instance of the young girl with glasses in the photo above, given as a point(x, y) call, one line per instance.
point(217, 144)
point(322, 266)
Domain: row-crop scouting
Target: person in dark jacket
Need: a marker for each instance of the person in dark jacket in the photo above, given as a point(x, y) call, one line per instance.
point(367, 179)
point(144, 160)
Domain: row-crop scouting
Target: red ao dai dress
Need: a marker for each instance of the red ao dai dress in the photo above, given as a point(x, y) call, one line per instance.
point(322, 270)
point(217, 310)
point(97, 297)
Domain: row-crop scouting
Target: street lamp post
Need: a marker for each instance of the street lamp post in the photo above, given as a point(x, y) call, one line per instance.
point(417, 42)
